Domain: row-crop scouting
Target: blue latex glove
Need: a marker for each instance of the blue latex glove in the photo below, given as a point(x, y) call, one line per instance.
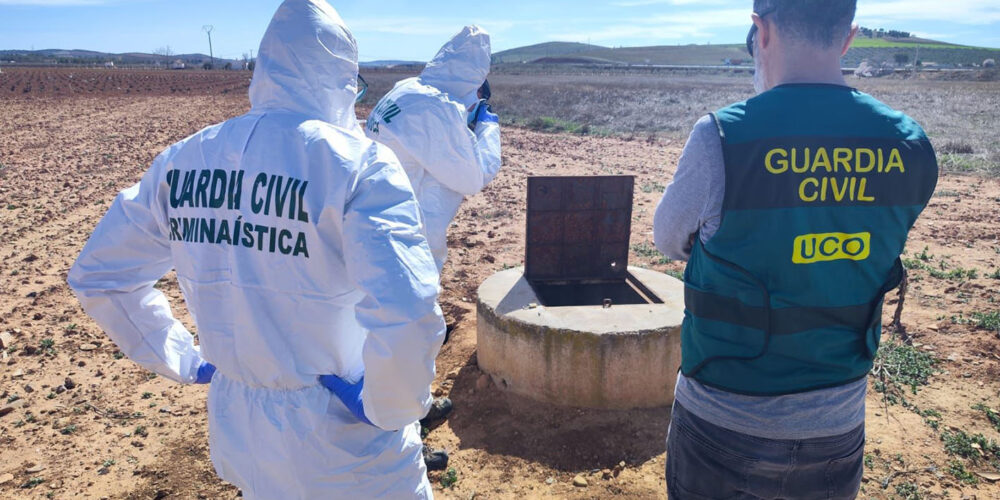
point(349, 394)
point(482, 113)
point(205, 372)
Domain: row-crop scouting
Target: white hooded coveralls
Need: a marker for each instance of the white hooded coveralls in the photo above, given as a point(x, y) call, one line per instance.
point(297, 246)
point(424, 120)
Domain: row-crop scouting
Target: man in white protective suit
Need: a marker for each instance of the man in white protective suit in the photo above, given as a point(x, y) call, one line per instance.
point(296, 241)
point(442, 129)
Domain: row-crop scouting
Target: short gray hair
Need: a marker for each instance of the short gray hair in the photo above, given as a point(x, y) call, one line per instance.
point(823, 23)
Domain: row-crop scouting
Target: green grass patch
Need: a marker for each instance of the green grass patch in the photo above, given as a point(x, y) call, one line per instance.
point(31, 483)
point(971, 164)
point(676, 274)
point(448, 479)
point(908, 491)
point(987, 321)
point(957, 468)
point(645, 250)
point(971, 447)
point(991, 415)
point(902, 366)
point(942, 271)
point(555, 125)
point(653, 187)
point(48, 346)
point(931, 417)
point(957, 274)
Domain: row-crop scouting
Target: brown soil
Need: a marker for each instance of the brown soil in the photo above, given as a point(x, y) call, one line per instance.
point(121, 433)
point(59, 82)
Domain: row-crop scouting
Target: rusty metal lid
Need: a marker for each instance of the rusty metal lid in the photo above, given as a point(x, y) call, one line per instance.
point(578, 229)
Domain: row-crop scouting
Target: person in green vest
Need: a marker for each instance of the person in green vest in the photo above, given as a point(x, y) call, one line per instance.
point(792, 209)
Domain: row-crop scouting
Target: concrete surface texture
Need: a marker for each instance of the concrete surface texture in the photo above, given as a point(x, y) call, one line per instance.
point(622, 357)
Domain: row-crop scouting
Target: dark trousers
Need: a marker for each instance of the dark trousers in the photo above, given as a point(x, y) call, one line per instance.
point(705, 461)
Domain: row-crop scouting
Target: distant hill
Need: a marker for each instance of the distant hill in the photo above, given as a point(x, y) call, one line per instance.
point(878, 49)
point(89, 57)
point(389, 64)
point(913, 49)
point(543, 50)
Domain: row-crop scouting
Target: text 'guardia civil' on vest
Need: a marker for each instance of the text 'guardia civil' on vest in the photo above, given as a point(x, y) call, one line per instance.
point(809, 161)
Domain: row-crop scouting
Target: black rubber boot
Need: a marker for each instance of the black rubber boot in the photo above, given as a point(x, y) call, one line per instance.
point(435, 459)
point(440, 409)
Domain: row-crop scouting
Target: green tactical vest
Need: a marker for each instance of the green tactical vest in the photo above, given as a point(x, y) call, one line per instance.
point(823, 184)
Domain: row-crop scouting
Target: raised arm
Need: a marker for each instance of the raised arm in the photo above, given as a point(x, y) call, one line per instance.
point(437, 135)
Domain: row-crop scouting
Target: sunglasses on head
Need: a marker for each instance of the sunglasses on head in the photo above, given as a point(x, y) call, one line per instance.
point(362, 89)
point(753, 29)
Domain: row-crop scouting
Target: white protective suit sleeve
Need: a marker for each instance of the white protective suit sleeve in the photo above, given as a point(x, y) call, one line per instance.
point(434, 125)
point(438, 137)
point(388, 259)
point(114, 279)
point(488, 149)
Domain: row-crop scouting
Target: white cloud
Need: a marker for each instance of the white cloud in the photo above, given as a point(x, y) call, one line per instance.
point(968, 12)
point(631, 31)
point(415, 26)
point(720, 18)
point(643, 3)
point(932, 36)
point(55, 3)
point(403, 26)
point(687, 24)
point(897, 12)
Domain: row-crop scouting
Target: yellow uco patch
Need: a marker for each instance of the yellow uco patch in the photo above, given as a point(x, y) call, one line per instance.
point(812, 248)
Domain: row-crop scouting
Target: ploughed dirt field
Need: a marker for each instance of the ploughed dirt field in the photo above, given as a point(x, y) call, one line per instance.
point(80, 421)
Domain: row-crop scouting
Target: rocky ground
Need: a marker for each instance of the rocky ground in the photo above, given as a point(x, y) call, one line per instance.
point(78, 420)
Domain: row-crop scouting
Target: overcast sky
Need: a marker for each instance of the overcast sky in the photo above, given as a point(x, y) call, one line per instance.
point(413, 30)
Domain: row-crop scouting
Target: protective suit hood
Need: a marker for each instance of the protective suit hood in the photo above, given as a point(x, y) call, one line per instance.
point(308, 64)
point(297, 244)
point(462, 65)
point(425, 121)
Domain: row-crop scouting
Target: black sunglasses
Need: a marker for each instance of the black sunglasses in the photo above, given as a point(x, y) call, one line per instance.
point(753, 29)
point(485, 92)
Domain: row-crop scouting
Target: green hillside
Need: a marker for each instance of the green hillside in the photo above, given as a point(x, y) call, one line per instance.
point(542, 50)
point(894, 43)
point(876, 49)
point(673, 54)
point(575, 53)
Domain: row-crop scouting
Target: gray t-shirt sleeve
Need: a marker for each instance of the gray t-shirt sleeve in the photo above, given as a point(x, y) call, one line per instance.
point(692, 203)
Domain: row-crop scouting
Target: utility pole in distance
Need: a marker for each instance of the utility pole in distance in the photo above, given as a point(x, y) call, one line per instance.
point(208, 29)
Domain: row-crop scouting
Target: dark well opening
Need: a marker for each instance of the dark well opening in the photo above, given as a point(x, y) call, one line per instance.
point(576, 251)
point(609, 294)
